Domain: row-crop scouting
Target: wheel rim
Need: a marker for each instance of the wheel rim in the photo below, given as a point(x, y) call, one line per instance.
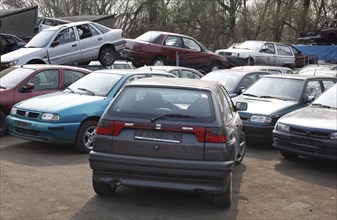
point(158, 63)
point(108, 58)
point(215, 68)
point(242, 148)
point(88, 138)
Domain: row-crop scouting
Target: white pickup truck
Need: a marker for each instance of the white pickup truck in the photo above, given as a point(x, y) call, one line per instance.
point(72, 43)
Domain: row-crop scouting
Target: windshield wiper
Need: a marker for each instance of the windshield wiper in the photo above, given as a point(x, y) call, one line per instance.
point(87, 90)
point(70, 89)
point(320, 105)
point(171, 115)
point(271, 97)
point(248, 94)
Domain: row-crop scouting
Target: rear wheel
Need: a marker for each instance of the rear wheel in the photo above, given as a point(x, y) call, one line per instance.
point(103, 189)
point(289, 155)
point(3, 125)
point(107, 56)
point(85, 136)
point(158, 61)
point(224, 199)
point(215, 66)
point(242, 149)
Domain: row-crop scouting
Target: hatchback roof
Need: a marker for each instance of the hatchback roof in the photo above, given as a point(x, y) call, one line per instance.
point(176, 82)
point(239, 71)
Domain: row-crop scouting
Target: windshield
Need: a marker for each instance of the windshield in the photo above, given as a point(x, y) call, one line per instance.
point(148, 37)
point(282, 88)
point(328, 98)
point(229, 81)
point(42, 39)
point(11, 77)
point(250, 45)
point(95, 83)
point(170, 104)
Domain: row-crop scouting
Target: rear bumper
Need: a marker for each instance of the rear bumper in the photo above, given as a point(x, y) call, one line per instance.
point(186, 175)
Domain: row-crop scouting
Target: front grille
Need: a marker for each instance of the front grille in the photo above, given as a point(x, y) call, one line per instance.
point(26, 131)
point(27, 114)
point(308, 133)
point(311, 146)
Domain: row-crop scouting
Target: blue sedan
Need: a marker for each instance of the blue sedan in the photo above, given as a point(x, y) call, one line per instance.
point(71, 116)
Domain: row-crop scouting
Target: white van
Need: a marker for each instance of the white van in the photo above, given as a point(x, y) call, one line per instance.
point(45, 22)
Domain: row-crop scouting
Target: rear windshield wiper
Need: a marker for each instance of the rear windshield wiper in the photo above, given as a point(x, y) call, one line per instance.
point(171, 115)
point(87, 90)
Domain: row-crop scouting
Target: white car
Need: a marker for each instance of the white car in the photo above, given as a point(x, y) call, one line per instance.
point(255, 52)
point(72, 43)
point(118, 64)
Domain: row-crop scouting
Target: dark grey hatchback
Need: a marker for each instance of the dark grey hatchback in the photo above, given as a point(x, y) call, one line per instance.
point(179, 134)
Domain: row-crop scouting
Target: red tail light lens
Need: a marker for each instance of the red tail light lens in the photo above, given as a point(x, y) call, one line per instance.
point(106, 127)
point(215, 135)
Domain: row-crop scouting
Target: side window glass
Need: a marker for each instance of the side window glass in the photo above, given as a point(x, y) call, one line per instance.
point(313, 89)
point(84, 31)
point(93, 31)
point(66, 36)
point(173, 41)
point(283, 50)
point(225, 108)
point(268, 48)
point(45, 80)
point(71, 76)
point(175, 72)
point(327, 84)
point(191, 44)
point(187, 74)
point(248, 80)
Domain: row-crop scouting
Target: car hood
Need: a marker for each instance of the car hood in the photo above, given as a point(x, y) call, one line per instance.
point(312, 117)
point(270, 107)
point(22, 52)
point(60, 101)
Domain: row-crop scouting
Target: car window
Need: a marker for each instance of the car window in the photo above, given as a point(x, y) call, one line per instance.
point(42, 39)
point(160, 75)
point(268, 48)
point(191, 44)
point(45, 80)
point(313, 89)
point(328, 84)
point(173, 41)
point(140, 102)
point(189, 74)
point(248, 80)
point(283, 50)
point(71, 76)
point(328, 98)
point(175, 72)
point(66, 36)
point(84, 31)
point(224, 106)
point(121, 66)
point(101, 27)
point(12, 76)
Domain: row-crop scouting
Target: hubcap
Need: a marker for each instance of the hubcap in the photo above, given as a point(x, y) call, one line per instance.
point(88, 137)
point(108, 57)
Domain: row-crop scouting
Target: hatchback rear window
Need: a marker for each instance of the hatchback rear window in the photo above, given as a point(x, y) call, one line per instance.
point(171, 104)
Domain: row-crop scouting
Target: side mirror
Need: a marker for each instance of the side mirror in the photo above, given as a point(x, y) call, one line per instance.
point(55, 43)
point(241, 106)
point(27, 87)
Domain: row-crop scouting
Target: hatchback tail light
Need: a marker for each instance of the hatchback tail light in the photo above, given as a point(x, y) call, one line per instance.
point(215, 135)
point(106, 127)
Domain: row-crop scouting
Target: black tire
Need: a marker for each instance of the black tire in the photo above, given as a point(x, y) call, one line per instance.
point(3, 125)
point(102, 188)
point(242, 149)
point(224, 199)
point(288, 155)
point(250, 61)
point(84, 63)
point(158, 61)
point(85, 136)
point(107, 56)
point(215, 66)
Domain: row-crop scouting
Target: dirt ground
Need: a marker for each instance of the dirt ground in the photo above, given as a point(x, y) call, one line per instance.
point(42, 181)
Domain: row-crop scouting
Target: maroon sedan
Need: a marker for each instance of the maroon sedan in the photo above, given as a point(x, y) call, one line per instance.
point(22, 82)
point(163, 48)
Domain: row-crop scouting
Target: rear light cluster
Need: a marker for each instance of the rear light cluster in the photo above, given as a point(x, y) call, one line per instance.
point(209, 135)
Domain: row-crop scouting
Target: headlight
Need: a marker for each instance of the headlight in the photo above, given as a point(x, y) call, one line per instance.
point(13, 63)
point(333, 136)
point(282, 127)
point(50, 117)
point(260, 119)
point(13, 111)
